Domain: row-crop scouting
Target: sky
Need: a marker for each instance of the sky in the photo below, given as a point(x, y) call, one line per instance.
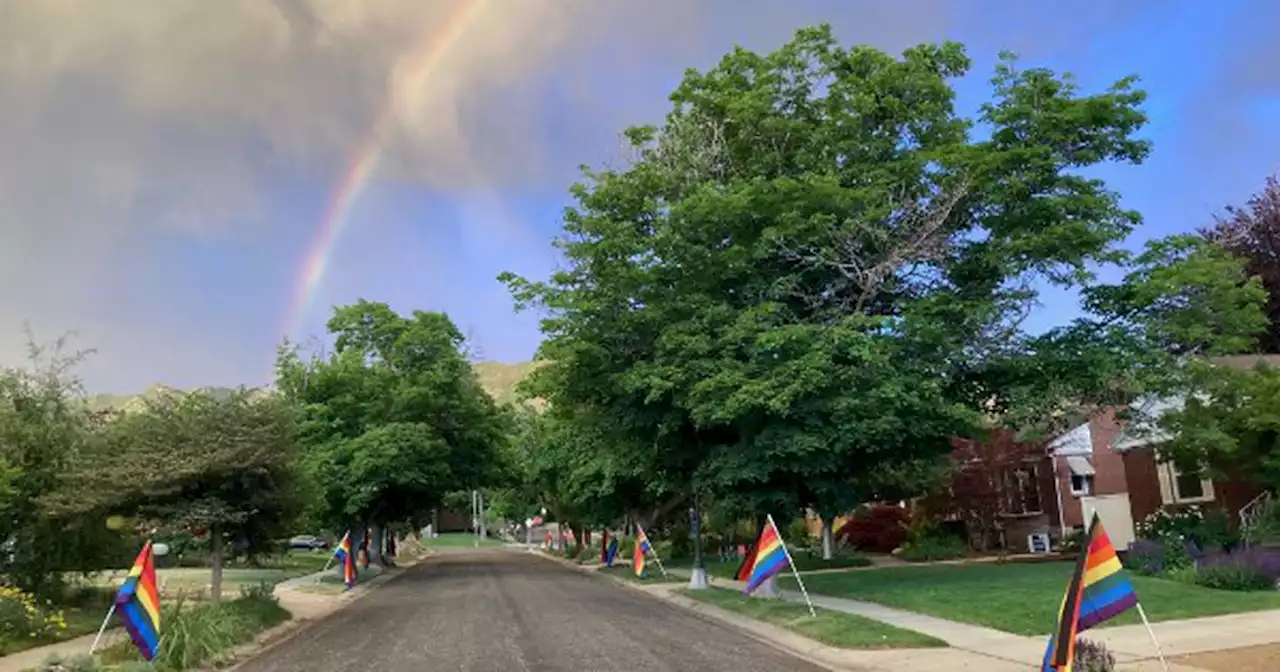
point(183, 183)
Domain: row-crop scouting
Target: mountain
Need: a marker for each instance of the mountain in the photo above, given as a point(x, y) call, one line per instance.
point(500, 379)
point(497, 378)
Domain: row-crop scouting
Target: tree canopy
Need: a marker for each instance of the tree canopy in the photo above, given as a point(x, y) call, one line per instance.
point(394, 418)
point(809, 271)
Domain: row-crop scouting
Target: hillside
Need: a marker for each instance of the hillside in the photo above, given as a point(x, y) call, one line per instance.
point(497, 378)
point(500, 379)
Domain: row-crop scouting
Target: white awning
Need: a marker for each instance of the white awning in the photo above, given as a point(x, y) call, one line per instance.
point(1079, 466)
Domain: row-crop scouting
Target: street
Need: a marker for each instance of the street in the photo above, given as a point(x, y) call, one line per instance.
point(499, 610)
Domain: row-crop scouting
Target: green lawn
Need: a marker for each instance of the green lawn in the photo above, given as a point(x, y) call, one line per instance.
point(834, 628)
point(458, 540)
point(191, 581)
point(804, 563)
point(1019, 598)
point(651, 575)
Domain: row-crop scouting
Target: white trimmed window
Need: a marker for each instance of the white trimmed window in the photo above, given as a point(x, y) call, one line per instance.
point(1177, 487)
point(1081, 472)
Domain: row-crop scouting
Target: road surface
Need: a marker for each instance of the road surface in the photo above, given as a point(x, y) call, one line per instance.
point(501, 610)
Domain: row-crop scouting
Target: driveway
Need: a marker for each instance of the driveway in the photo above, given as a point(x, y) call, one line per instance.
point(501, 610)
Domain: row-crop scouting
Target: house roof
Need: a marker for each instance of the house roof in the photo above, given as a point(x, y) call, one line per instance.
point(1145, 431)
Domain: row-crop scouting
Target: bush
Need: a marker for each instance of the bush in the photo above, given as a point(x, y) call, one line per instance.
point(879, 528)
point(1250, 569)
point(930, 548)
point(1209, 530)
point(24, 617)
point(204, 634)
point(1093, 657)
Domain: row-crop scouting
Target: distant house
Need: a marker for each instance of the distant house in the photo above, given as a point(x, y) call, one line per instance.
point(1099, 466)
point(1114, 470)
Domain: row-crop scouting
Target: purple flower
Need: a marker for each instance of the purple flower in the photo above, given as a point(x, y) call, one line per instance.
point(1264, 562)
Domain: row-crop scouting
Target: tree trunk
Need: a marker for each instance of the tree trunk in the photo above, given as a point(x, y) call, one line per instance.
point(375, 544)
point(215, 558)
point(828, 537)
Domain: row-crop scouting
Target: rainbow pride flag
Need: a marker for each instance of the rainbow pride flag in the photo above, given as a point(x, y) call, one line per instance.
point(348, 559)
point(1099, 591)
point(769, 559)
point(343, 549)
point(138, 603)
point(642, 547)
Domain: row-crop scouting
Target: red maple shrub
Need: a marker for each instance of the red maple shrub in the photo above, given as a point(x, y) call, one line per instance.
point(878, 528)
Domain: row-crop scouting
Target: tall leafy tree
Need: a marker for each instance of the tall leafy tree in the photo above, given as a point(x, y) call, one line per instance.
point(394, 419)
point(801, 275)
point(1252, 234)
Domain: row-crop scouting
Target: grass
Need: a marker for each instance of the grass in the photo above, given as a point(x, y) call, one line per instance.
point(651, 575)
point(804, 563)
point(197, 635)
point(194, 581)
point(834, 628)
point(1019, 598)
point(458, 540)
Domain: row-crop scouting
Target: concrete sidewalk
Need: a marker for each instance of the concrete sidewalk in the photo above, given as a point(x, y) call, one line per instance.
point(998, 650)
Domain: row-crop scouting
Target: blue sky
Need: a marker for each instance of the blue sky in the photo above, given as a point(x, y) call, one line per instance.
point(170, 202)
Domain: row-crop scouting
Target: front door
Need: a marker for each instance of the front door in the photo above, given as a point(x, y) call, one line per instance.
point(1115, 514)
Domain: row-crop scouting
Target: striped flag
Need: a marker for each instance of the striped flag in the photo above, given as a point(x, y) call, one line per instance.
point(138, 603)
point(642, 547)
point(1099, 591)
point(769, 559)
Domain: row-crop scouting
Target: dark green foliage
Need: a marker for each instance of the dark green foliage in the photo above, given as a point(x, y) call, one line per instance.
point(394, 419)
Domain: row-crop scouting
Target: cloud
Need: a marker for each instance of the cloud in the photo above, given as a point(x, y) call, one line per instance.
point(131, 126)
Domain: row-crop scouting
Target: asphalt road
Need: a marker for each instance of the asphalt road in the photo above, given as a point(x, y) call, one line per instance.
point(500, 610)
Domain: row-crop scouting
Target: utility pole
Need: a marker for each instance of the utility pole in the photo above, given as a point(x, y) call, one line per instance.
point(484, 524)
point(698, 578)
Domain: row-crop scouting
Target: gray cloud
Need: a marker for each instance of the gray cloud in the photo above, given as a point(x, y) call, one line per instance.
point(127, 124)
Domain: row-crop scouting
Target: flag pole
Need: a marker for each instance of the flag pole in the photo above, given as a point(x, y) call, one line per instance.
point(792, 563)
point(654, 551)
point(1159, 653)
point(102, 629)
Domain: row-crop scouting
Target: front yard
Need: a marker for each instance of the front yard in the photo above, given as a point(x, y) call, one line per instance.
point(833, 628)
point(1019, 598)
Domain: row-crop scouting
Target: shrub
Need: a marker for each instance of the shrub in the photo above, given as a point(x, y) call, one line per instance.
point(1249, 569)
point(203, 634)
point(879, 528)
point(934, 547)
point(1210, 530)
point(24, 617)
point(1093, 657)
point(1146, 557)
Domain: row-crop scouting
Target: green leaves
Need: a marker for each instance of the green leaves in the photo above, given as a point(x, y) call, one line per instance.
point(812, 273)
point(395, 418)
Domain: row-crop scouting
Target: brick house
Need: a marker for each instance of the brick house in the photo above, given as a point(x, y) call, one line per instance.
point(1098, 467)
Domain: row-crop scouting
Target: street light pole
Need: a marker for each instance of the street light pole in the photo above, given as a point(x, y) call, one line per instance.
point(698, 579)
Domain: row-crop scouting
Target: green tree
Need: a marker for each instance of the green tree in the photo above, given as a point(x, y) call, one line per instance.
point(45, 432)
point(393, 420)
point(801, 276)
point(225, 466)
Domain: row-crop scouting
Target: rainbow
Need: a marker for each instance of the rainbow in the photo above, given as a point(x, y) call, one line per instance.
point(355, 179)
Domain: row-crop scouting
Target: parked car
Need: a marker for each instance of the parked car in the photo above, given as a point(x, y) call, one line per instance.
point(308, 542)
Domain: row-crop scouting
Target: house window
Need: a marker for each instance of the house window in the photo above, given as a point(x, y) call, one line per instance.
point(1177, 487)
point(1022, 491)
point(1081, 472)
point(1081, 485)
